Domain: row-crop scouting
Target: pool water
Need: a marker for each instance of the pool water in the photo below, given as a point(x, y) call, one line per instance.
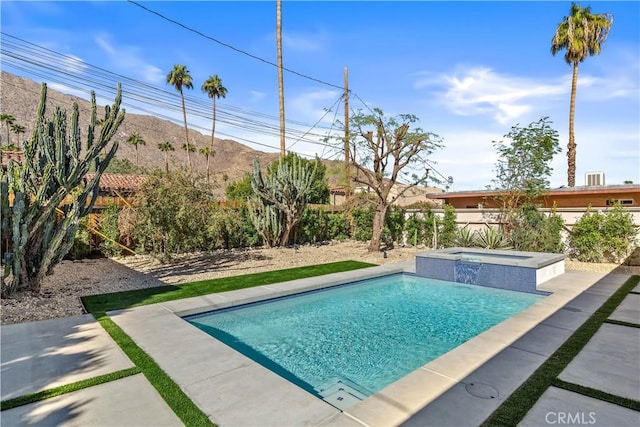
point(361, 336)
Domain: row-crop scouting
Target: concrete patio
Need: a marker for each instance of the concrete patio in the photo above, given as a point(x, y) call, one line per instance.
point(461, 388)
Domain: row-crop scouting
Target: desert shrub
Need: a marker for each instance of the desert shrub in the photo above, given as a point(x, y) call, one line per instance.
point(598, 237)
point(491, 238)
point(362, 222)
point(448, 228)
point(227, 230)
point(313, 227)
point(82, 241)
point(393, 225)
point(534, 231)
point(414, 229)
point(109, 227)
point(465, 238)
point(174, 212)
point(338, 226)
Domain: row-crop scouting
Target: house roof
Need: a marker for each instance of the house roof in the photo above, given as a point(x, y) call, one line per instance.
point(118, 182)
point(561, 191)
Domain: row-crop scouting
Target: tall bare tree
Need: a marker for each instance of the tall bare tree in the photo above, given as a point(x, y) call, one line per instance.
point(384, 151)
point(581, 34)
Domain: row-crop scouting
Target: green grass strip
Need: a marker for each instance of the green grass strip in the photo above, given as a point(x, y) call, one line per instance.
point(514, 408)
point(177, 400)
point(119, 300)
point(597, 394)
point(67, 388)
point(181, 405)
point(622, 323)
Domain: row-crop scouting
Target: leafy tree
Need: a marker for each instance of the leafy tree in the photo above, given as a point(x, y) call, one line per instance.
point(208, 154)
point(135, 139)
point(383, 156)
point(214, 89)
point(41, 228)
point(280, 200)
point(8, 120)
point(523, 166)
point(581, 34)
point(179, 77)
point(319, 191)
point(18, 130)
point(241, 190)
point(165, 147)
point(121, 166)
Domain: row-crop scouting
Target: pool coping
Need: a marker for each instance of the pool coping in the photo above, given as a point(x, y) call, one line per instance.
point(233, 389)
point(534, 259)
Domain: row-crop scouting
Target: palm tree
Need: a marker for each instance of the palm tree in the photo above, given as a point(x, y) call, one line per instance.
point(18, 130)
point(191, 148)
point(280, 79)
point(581, 34)
point(208, 153)
point(135, 139)
point(165, 147)
point(8, 120)
point(213, 87)
point(179, 77)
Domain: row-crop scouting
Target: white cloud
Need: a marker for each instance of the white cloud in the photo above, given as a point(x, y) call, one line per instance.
point(312, 105)
point(300, 42)
point(256, 95)
point(129, 60)
point(482, 91)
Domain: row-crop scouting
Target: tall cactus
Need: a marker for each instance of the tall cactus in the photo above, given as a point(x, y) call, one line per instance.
point(41, 222)
point(281, 198)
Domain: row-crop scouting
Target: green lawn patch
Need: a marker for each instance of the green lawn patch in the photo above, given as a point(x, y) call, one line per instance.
point(68, 388)
point(513, 410)
point(179, 402)
point(97, 304)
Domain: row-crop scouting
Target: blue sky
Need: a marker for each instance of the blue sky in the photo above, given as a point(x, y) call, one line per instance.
point(468, 70)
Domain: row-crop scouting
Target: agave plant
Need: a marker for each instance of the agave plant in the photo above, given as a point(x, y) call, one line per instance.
point(465, 238)
point(492, 238)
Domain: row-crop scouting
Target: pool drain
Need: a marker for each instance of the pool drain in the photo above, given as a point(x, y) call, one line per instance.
point(483, 391)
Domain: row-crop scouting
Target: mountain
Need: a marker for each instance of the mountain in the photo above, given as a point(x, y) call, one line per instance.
point(19, 97)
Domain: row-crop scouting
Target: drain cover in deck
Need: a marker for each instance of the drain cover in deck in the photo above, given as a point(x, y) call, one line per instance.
point(483, 391)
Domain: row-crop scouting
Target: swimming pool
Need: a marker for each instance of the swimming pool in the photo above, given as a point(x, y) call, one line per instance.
point(345, 343)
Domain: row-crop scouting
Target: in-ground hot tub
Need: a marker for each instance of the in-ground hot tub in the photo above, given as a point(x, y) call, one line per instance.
point(514, 270)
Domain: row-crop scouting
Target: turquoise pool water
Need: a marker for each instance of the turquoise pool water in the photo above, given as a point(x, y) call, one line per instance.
point(365, 335)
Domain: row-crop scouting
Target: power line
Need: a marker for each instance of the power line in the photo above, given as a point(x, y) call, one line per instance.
point(173, 21)
point(47, 64)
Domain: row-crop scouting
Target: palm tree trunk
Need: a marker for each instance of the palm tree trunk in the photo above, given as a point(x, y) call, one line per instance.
point(208, 157)
point(280, 78)
point(137, 162)
point(186, 131)
point(166, 162)
point(213, 125)
point(571, 147)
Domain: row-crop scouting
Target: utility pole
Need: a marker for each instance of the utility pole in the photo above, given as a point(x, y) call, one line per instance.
point(280, 79)
point(347, 160)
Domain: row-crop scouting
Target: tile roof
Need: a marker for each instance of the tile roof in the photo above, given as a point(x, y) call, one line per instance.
point(119, 182)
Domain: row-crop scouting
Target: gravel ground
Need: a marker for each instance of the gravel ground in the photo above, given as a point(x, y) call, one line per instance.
point(61, 292)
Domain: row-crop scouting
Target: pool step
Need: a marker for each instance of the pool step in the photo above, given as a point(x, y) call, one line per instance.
point(341, 393)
